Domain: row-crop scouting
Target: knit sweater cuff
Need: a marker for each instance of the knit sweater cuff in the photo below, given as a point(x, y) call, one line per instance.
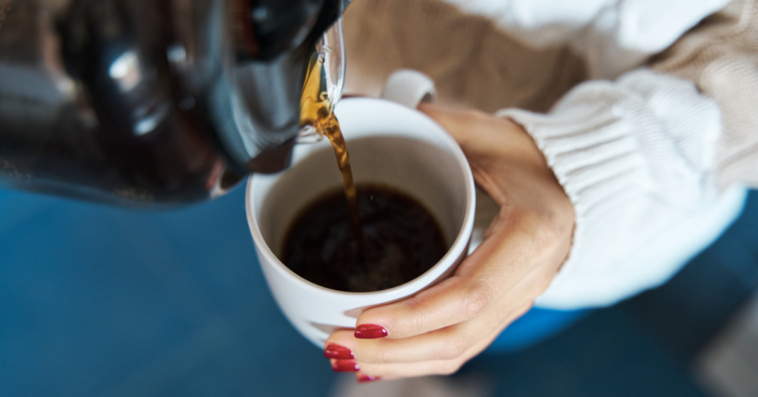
point(635, 157)
point(594, 157)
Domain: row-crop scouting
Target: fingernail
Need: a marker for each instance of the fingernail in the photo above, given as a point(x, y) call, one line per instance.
point(338, 352)
point(345, 366)
point(370, 331)
point(367, 378)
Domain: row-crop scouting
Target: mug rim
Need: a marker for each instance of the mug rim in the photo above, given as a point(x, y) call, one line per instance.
point(456, 250)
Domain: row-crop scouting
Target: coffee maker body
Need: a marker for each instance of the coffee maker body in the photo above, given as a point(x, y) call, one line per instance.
point(151, 103)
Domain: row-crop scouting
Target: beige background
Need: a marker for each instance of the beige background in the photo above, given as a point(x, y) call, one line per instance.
point(473, 63)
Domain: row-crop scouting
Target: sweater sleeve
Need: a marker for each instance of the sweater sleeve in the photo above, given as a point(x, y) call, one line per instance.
point(613, 36)
point(721, 56)
point(636, 157)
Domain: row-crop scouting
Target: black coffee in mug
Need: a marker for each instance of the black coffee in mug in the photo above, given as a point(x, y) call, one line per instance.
point(398, 241)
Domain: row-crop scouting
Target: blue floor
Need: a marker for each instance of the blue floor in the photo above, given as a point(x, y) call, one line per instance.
point(646, 345)
point(98, 301)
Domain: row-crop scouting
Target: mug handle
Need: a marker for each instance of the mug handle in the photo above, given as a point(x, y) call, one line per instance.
point(409, 88)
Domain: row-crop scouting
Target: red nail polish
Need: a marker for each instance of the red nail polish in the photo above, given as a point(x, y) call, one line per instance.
point(345, 366)
point(370, 331)
point(338, 352)
point(367, 378)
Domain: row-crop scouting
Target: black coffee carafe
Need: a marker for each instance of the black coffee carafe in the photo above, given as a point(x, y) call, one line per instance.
point(152, 102)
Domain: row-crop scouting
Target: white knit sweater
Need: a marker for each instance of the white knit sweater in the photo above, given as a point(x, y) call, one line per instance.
point(634, 149)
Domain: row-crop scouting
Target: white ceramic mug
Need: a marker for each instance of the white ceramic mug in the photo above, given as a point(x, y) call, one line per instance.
point(389, 144)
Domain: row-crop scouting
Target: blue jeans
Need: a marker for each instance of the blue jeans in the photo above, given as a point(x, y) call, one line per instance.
point(533, 327)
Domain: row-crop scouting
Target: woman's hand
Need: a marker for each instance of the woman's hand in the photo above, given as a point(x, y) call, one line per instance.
point(439, 329)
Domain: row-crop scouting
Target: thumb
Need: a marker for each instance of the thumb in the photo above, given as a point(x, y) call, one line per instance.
point(479, 134)
point(457, 122)
point(490, 142)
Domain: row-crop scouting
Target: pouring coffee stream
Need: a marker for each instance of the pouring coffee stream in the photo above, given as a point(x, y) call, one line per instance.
point(382, 238)
point(321, 92)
